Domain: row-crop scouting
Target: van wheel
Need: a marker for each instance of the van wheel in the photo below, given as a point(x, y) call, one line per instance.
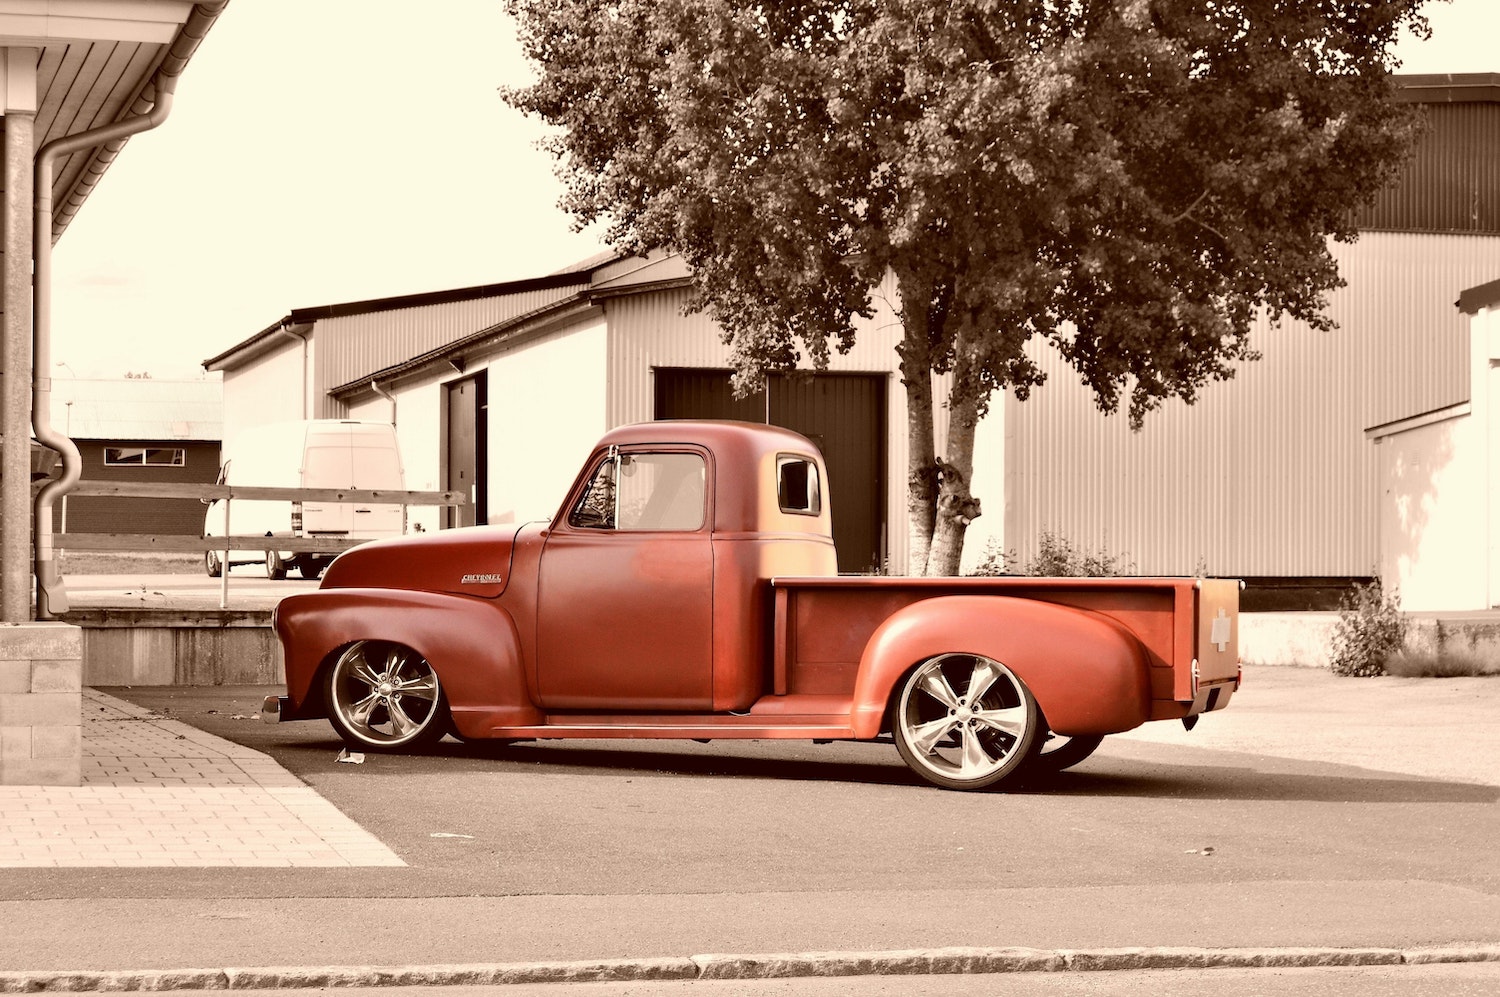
point(212, 564)
point(384, 696)
point(964, 721)
point(310, 569)
point(275, 566)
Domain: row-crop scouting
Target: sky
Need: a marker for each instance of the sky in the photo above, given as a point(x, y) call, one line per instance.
point(327, 151)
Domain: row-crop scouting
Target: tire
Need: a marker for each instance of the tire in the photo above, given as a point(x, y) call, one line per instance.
point(275, 566)
point(212, 564)
point(949, 743)
point(1060, 752)
point(383, 696)
point(310, 569)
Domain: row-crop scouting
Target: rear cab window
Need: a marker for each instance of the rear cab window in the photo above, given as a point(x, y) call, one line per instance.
point(798, 488)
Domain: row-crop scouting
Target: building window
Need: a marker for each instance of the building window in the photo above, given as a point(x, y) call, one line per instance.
point(144, 456)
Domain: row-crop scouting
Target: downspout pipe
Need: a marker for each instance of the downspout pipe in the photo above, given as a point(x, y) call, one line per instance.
point(383, 393)
point(51, 596)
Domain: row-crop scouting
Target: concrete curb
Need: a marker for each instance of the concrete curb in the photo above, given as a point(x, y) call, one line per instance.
point(738, 967)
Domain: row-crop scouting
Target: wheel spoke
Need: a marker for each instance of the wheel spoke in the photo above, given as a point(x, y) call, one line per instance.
point(1008, 720)
point(400, 720)
point(363, 671)
point(976, 760)
point(359, 713)
point(924, 737)
point(935, 684)
point(421, 687)
point(983, 677)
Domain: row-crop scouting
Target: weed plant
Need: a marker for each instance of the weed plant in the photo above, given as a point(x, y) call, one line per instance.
point(1370, 631)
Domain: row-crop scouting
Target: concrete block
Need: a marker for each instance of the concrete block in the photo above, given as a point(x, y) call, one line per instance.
point(57, 676)
point(43, 709)
point(46, 640)
point(15, 742)
point(57, 742)
point(15, 676)
point(40, 772)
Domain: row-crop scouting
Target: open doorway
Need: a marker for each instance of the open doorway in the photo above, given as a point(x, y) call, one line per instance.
point(467, 446)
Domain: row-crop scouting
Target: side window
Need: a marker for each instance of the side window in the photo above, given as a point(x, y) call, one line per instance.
point(797, 486)
point(644, 491)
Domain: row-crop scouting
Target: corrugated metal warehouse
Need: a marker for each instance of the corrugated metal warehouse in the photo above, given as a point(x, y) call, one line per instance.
point(501, 390)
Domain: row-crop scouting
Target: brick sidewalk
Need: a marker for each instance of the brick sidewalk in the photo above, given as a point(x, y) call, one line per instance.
point(157, 792)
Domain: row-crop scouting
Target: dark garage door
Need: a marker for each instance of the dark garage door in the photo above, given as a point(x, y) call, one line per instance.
point(844, 414)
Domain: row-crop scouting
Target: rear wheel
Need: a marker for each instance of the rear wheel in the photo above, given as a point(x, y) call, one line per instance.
point(1062, 752)
point(964, 721)
point(384, 696)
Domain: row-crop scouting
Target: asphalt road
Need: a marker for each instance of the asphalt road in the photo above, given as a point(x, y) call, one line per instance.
point(1313, 812)
point(629, 849)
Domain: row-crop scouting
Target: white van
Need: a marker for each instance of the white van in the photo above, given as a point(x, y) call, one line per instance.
point(312, 453)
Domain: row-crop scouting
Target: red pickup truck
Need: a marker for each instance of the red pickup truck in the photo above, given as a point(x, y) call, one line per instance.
point(687, 588)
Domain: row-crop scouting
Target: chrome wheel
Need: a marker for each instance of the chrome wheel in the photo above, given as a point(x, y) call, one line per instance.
point(385, 696)
point(275, 566)
point(964, 721)
point(212, 564)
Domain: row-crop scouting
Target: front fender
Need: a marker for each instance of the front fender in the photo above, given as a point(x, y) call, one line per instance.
point(1089, 673)
point(471, 643)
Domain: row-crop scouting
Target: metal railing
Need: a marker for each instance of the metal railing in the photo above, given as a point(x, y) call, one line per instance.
point(135, 542)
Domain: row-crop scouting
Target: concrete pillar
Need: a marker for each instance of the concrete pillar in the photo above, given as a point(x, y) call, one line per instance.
point(18, 103)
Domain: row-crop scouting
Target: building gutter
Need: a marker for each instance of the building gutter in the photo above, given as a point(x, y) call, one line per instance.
point(51, 596)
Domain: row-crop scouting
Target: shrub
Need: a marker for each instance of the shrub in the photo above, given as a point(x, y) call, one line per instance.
point(1059, 557)
point(1369, 631)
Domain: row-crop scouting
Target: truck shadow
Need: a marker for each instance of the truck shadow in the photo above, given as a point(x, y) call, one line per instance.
point(1099, 777)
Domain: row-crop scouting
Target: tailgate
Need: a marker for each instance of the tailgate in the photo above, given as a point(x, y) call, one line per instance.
point(1216, 651)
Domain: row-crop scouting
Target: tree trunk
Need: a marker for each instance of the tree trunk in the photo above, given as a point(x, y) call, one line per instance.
point(921, 461)
point(956, 505)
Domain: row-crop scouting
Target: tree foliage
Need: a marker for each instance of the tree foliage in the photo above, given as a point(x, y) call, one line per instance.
point(1130, 181)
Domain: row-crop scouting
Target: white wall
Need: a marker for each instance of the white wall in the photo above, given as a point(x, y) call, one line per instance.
point(1432, 492)
point(546, 411)
point(1440, 492)
point(267, 390)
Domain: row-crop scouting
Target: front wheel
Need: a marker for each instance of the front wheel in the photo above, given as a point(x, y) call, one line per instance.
point(275, 566)
point(384, 696)
point(212, 564)
point(964, 721)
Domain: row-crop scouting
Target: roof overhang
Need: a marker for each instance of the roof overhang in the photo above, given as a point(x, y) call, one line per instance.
point(95, 63)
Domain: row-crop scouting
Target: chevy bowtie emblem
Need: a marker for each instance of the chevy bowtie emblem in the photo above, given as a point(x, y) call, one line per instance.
point(1219, 635)
point(485, 578)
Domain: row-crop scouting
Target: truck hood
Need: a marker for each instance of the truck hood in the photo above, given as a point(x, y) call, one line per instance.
point(473, 560)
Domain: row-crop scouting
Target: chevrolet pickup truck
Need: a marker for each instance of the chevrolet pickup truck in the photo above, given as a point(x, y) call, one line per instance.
point(687, 588)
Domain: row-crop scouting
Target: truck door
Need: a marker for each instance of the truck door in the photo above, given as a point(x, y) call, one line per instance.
point(624, 614)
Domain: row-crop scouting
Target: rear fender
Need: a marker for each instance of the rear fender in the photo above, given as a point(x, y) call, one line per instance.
point(1089, 673)
point(471, 643)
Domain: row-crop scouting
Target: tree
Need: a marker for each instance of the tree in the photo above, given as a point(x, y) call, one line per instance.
point(1129, 181)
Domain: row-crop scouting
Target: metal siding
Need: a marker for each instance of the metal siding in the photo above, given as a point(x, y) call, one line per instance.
point(350, 347)
point(1452, 181)
point(1269, 473)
